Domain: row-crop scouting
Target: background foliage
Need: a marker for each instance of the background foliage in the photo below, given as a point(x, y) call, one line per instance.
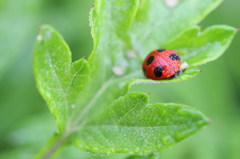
point(23, 112)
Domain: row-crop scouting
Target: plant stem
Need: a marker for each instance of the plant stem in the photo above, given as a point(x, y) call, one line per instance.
point(53, 147)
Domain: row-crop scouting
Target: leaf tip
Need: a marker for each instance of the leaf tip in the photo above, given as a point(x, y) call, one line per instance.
point(41, 32)
point(209, 121)
point(44, 27)
point(45, 32)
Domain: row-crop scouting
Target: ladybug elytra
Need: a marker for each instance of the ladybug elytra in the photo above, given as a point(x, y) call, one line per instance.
point(161, 64)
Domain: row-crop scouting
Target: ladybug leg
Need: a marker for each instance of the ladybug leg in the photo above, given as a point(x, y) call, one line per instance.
point(183, 66)
point(176, 74)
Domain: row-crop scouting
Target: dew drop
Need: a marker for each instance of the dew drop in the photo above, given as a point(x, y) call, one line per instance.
point(178, 137)
point(95, 148)
point(108, 152)
point(183, 111)
point(48, 34)
point(118, 70)
point(166, 139)
point(171, 3)
point(131, 54)
point(160, 146)
point(137, 149)
point(39, 37)
point(47, 94)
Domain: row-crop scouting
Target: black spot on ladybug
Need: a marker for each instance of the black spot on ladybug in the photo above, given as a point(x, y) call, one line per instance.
point(150, 59)
point(158, 71)
point(174, 57)
point(144, 71)
point(161, 50)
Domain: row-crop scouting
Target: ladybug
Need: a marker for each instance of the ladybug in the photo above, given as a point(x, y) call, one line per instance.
point(161, 64)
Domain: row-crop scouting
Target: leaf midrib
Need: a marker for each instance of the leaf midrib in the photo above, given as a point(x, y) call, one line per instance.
point(91, 103)
point(103, 88)
point(138, 127)
point(57, 79)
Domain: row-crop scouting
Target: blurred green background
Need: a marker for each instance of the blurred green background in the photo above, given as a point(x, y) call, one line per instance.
point(26, 123)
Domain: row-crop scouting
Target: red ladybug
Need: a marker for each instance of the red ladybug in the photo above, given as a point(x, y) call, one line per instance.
point(161, 64)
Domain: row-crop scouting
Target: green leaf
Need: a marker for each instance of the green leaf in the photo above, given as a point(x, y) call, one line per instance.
point(186, 74)
point(131, 125)
point(201, 47)
point(59, 81)
point(156, 22)
point(152, 156)
point(90, 100)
